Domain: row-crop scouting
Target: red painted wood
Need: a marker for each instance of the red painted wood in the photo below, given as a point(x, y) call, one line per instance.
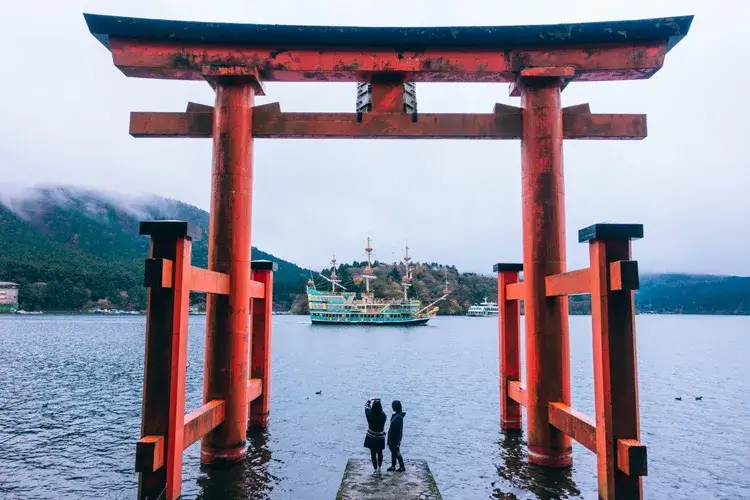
point(517, 392)
point(260, 355)
point(228, 317)
point(575, 424)
point(203, 420)
point(203, 280)
point(155, 409)
point(177, 368)
point(257, 289)
point(509, 322)
point(185, 61)
point(388, 97)
point(254, 389)
point(149, 454)
point(515, 291)
point(569, 283)
point(615, 370)
point(631, 457)
point(547, 351)
point(273, 124)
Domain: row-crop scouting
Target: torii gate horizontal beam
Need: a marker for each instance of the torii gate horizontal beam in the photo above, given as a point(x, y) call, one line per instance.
point(147, 59)
point(619, 50)
point(505, 123)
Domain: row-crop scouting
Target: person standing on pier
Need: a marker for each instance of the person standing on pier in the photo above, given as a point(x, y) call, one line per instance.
point(375, 439)
point(395, 433)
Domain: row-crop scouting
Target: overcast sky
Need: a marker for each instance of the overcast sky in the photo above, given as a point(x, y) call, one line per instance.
point(65, 120)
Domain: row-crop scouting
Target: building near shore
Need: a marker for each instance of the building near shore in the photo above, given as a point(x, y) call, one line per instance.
point(8, 296)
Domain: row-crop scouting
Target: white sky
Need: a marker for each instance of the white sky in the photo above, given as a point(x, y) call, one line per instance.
point(65, 120)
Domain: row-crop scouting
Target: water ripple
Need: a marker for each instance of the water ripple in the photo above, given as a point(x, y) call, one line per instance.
point(72, 401)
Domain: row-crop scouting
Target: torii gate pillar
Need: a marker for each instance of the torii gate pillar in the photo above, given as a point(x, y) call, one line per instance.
point(543, 207)
point(228, 316)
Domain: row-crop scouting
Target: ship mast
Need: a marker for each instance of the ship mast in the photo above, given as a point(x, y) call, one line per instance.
point(368, 275)
point(334, 277)
point(405, 282)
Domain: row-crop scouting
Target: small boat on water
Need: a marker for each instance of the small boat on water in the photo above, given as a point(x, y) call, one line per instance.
point(340, 306)
point(483, 309)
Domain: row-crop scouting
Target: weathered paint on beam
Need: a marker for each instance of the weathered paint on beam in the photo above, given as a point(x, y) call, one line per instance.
point(623, 275)
point(517, 392)
point(569, 283)
point(203, 420)
point(254, 389)
point(269, 124)
point(178, 125)
point(205, 281)
point(515, 291)
point(575, 424)
point(185, 61)
point(149, 454)
point(631, 457)
point(416, 483)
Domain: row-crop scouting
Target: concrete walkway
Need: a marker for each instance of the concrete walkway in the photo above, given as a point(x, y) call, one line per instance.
point(415, 483)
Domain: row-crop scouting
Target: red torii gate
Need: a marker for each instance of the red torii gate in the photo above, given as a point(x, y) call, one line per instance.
point(538, 62)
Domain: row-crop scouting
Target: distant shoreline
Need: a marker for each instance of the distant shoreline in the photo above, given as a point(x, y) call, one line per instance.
point(642, 313)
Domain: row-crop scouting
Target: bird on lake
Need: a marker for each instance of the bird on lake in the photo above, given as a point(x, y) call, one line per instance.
point(699, 398)
point(678, 399)
point(319, 392)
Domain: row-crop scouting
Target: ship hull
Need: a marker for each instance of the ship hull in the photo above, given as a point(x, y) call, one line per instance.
point(343, 308)
point(393, 322)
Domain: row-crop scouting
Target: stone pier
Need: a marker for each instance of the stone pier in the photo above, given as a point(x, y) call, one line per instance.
point(416, 483)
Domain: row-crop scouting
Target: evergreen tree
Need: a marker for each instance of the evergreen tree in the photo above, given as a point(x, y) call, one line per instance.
point(345, 276)
point(394, 275)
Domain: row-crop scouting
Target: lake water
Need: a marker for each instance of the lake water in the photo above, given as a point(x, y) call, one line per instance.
point(71, 398)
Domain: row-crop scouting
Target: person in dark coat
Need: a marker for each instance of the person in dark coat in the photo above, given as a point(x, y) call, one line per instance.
point(375, 438)
point(395, 433)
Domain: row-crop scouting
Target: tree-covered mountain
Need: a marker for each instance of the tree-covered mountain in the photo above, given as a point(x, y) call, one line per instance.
point(70, 248)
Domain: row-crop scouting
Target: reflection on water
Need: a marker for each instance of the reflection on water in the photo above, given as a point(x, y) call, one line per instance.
point(523, 478)
point(72, 386)
point(249, 480)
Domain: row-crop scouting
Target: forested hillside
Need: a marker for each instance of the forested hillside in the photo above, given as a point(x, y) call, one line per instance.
point(72, 248)
point(69, 248)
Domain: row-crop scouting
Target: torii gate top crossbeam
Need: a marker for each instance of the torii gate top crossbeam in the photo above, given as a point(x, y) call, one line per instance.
point(621, 50)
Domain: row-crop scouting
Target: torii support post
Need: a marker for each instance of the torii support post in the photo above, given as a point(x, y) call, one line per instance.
point(509, 341)
point(614, 434)
point(229, 246)
point(166, 430)
point(260, 355)
point(621, 459)
point(163, 414)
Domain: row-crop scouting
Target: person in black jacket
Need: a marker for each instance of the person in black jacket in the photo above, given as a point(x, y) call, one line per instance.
point(395, 433)
point(375, 438)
